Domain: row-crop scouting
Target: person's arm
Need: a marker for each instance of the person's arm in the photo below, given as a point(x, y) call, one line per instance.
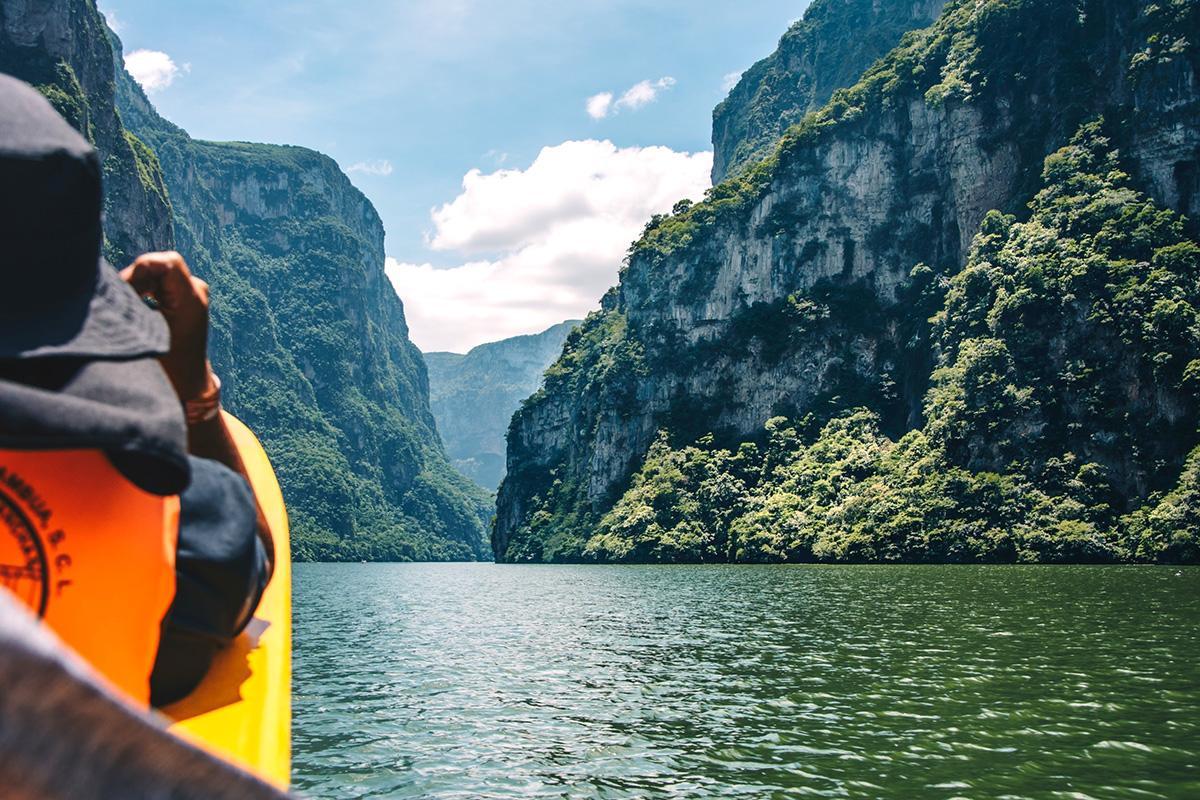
point(183, 300)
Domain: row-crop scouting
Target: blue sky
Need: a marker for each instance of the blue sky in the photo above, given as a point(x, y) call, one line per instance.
point(413, 97)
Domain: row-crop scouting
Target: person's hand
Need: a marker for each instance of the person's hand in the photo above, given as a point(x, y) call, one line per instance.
point(183, 300)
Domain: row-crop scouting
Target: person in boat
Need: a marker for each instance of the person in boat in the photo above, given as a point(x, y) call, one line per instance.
point(126, 520)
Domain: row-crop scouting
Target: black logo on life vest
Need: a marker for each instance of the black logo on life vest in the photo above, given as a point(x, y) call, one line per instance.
point(23, 566)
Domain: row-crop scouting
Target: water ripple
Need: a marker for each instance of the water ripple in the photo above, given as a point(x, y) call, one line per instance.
point(483, 681)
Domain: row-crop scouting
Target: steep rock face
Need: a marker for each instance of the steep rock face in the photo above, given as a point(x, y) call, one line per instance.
point(308, 335)
point(788, 291)
point(1063, 405)
point(825, 51)
point(473, 396)
point(61, 47)
point(312, 345)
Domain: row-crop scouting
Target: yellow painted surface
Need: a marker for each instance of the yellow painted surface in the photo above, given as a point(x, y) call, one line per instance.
point(243, 709)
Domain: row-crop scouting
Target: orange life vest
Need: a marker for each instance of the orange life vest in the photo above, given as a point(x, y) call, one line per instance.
point(92, 555)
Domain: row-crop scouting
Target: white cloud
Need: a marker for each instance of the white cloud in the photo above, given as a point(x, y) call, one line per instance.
point(643, 93)
point(377, 167)
point(598, 105)
point(153, 69)
point(640, 94)
point(730, 81)
point(542, 244)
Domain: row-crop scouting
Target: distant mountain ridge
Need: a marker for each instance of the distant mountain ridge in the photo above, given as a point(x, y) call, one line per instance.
point(474, 396)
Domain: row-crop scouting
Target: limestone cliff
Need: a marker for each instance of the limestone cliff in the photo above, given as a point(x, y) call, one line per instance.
point(308, 334)
point(788, 291)
point(61, 47)
point(312, 343)
point(825, 51)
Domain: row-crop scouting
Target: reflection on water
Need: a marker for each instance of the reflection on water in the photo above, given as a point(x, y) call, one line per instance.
point(485, 681)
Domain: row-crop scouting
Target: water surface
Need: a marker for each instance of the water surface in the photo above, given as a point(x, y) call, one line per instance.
point(486, 681)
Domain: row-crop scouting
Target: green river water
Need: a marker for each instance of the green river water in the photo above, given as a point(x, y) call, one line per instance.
point(486, 681)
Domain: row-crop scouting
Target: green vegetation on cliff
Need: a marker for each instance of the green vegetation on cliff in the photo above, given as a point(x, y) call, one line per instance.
point(308, 335)
point(1070, 344)
point(975, 56)
point(825, 51)
point(312, 345)
point(819, 362)
point(73, 69)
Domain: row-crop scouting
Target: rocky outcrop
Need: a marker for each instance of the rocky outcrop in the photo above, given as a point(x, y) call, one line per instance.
point(473, 396)
point(61, 47)
point(825, 51)
point(788, 290)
